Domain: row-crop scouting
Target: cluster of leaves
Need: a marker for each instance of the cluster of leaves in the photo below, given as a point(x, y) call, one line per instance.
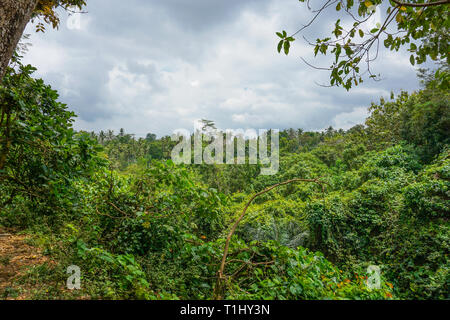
point(297, 275)
point(41, 154)
point(46, 11)
point(419, 118)
point(152, 212)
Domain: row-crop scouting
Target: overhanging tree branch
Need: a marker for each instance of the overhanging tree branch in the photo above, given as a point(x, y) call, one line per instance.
point(420, 5)
point(357, 46)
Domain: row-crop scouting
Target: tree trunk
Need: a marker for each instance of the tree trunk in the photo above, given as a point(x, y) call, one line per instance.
point(14, 16)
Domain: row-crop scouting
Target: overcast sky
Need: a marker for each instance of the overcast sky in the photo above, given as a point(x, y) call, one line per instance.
point(157, 66)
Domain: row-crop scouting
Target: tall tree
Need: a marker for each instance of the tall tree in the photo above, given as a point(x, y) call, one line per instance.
point(14, 16)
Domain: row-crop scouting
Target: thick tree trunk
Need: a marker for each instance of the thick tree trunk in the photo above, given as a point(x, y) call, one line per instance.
point(14, 16)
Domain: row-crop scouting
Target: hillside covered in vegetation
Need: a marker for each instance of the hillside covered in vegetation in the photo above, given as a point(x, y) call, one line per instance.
point(141, 227)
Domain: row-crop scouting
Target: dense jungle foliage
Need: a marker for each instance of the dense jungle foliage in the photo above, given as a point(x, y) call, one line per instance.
point(140, 227)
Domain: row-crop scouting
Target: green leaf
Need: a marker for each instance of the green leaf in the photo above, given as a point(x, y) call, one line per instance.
point(287, 46)
point(280, 46)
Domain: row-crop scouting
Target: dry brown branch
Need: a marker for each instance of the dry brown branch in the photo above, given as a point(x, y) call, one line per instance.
point(118, 210)
point(220, 284)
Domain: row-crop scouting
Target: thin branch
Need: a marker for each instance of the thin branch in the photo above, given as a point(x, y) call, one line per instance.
point(220, 274)
point(318, 12)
